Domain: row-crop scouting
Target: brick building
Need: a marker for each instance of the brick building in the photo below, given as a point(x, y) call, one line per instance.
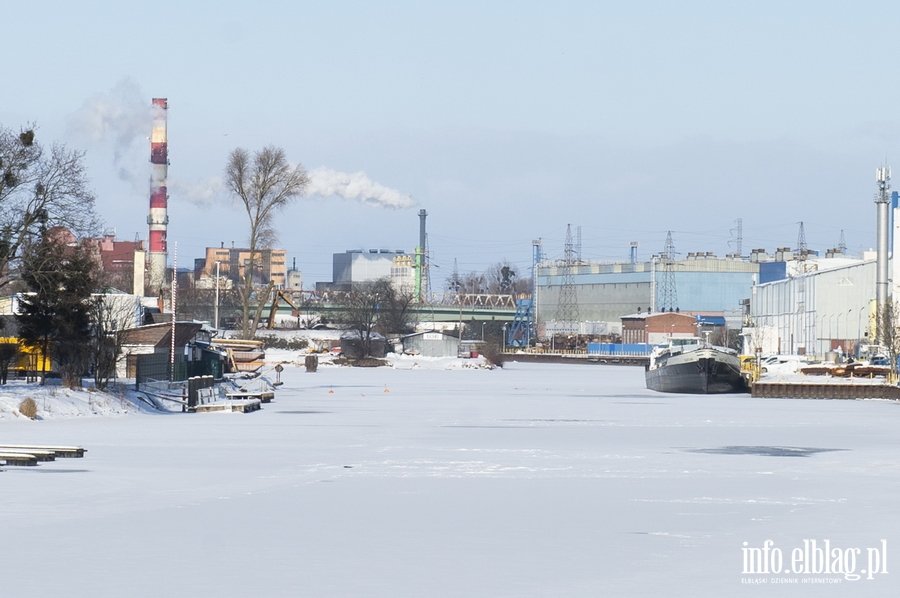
point(657, 328)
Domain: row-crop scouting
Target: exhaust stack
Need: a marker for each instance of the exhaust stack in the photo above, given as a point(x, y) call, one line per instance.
point(421, 268)
point(158, 218)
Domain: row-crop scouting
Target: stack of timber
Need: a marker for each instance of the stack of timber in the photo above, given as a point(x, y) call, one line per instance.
point(243, 356)
point(857, 369)
point(857, 380)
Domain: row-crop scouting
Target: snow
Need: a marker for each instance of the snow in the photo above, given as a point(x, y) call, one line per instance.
point(531, 480)
point(55, 401)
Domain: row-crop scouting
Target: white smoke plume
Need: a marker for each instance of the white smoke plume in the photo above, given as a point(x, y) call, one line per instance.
point(326, 182)
point(202, 194)
point(119, 116)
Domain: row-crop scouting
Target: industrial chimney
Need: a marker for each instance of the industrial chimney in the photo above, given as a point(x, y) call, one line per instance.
point(421, 267)
point(158, 218)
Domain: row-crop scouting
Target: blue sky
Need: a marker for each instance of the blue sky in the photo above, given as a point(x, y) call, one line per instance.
point(505, 120)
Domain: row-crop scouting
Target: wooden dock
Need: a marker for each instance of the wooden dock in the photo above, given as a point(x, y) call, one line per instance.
point(262, 397)
point(812, 390)
point(24, 455)
point(241, 406)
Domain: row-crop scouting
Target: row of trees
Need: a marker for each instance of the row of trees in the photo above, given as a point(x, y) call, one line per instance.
point(500, 279)
point(44, 193)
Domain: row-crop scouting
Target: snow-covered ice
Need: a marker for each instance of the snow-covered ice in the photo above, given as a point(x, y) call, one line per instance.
point(533, 480)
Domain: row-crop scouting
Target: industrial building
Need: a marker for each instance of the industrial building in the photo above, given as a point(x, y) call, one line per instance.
point(124, 260)
point(356, 266)
point(814, 306)
point(657, 328)
point(604, 292)
point(269, 265)
point(819, 305)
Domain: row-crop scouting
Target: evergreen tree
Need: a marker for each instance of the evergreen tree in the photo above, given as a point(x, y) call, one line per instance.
point(55, 312)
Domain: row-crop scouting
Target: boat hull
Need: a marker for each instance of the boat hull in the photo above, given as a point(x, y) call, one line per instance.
point(704, 371)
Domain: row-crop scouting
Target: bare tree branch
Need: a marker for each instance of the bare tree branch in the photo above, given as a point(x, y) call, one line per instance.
point(39, 189)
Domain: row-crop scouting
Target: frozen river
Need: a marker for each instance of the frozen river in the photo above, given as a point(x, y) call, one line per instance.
point(534, 480)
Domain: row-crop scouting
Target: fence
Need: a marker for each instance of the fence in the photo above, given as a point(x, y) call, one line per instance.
point(619, 349)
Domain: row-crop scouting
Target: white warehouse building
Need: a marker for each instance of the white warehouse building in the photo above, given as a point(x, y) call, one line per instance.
point(821, 305)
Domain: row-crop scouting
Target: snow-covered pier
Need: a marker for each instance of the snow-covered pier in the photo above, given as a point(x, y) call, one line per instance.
point(30, 455)
point(242, 406)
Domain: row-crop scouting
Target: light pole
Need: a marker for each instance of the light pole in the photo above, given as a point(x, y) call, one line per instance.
point(838, 331)
point(503, 339)
point(216, 306)
point(482, 331)
point(858, 316)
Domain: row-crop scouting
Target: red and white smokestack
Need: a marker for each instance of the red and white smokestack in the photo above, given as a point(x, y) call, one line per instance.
point(158, 218)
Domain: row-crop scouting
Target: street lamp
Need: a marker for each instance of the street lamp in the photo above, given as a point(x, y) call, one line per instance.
point(838, 333)
point(858, 316)
point(482, 331)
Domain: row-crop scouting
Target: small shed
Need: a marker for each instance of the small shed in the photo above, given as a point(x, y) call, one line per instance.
point(146, 352)
point(431, 344)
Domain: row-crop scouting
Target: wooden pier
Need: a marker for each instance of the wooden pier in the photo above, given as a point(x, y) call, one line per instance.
point(22, 455)
point(261, 396)
point(241, 406)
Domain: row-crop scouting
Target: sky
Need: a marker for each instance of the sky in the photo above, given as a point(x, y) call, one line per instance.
point(506, 121)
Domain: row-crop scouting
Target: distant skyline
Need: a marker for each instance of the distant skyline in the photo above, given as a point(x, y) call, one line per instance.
point(506, 121)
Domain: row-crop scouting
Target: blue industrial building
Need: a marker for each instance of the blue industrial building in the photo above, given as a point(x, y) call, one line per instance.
point(607, 291)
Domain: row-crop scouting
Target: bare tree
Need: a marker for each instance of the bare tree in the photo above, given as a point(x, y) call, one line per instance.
point(396, 309)
point(889, 335)
point(39, 189)
point(503, 279)
point(110, 315)
point(375, 307)
point(265, 184)
point(360, 309)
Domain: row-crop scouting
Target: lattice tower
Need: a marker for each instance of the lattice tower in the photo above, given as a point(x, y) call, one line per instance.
point(667, 294)
point(567, 312)
point(738, 232)
point(801, 243)
point(454, 285)
point(578, 244)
